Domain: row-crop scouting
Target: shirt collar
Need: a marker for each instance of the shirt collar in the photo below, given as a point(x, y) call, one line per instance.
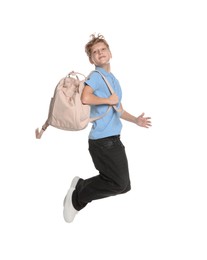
point(103, 71)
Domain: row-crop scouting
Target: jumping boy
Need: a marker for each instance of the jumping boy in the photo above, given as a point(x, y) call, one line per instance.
point(105, 147)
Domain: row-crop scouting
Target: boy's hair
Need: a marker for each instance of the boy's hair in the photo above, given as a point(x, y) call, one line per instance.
point(94, 39)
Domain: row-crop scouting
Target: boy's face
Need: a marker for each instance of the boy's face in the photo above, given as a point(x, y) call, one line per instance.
point(100, 54)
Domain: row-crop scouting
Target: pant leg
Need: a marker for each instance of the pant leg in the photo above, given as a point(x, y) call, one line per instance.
point(110, 160)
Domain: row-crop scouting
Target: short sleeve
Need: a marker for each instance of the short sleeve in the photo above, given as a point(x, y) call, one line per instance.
point(93, 80)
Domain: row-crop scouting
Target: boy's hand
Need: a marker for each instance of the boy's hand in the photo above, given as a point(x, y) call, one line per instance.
point(143, 121)
point(113, 99)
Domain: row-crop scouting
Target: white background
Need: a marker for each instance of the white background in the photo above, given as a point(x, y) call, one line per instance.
point(160, 58)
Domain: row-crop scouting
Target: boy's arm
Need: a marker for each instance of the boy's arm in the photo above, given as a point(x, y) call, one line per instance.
point(88, 98)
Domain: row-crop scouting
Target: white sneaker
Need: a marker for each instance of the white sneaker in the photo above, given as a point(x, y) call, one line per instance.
point(73, 185)
point(74, 182)
point(69, 211)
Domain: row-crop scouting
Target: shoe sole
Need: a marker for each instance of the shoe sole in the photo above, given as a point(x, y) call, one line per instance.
point(73, 185)
point(74, 182)
point(69, 212)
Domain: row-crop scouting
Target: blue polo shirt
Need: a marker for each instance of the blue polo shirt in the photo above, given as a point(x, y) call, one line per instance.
point(110, 124)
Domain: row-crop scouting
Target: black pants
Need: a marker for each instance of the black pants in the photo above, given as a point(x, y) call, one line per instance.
point(109, 158)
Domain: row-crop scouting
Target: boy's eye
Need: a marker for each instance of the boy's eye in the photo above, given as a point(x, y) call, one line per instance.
point(96, 51)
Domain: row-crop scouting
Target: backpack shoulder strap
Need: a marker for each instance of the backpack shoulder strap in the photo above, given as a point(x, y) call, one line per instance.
point(104, 78)
point(38, 133)
point(119, 110)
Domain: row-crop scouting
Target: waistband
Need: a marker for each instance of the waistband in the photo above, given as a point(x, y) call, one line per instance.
point(113, 137)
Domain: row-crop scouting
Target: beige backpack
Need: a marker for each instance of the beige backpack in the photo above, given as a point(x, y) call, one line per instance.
point(66, 110)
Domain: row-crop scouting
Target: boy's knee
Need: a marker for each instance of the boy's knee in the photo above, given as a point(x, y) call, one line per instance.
point(127, 188)
point(123, 187)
